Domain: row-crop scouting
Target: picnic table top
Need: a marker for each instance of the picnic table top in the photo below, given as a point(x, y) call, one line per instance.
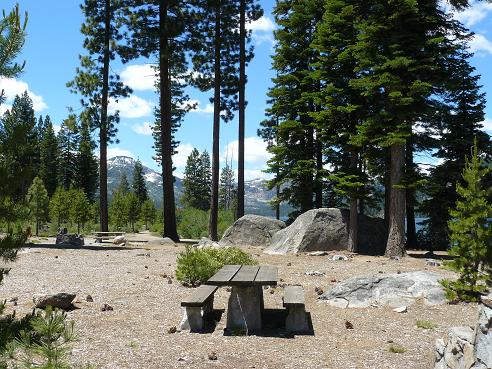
point(245, 275)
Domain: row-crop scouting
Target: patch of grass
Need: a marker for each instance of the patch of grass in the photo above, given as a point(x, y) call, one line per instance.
point(132, 344)
point(397, 349)
point(426, 324)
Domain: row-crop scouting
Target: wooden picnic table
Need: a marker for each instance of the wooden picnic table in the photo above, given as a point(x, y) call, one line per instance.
point(245, 305)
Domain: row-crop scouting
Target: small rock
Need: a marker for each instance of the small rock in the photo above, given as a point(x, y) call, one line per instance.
point(380, 272)
point(89, 298)
point(272, 292)
point(434, 263)
point(349, 325)
point(333, 280)
point(339, 257)
point(106, 307)
point(172, 330)
point(289, 264)
point(401, 309)
point(318, 253)
point(56, 256)
point(315, 273)
point(60, 300)
point(146, 267)
point(212, 356)
point(281, 280)
point(146, 277)
point(169, 281)
point(119, 240)
point(398, 272)
point(394, 258)
point(14, 300)
point(389, 341)
point(318, 290)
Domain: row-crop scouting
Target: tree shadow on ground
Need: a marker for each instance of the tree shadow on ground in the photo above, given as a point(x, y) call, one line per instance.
point(273, 325)
point(428, 255)
point(85, 247)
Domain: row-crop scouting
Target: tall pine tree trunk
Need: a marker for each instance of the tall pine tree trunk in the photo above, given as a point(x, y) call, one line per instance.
point(410, 199)
point(214, 208)
point(242, 108)
point(103, 129)
point(166, 142)
point(396, 237)
point(387, 186)
point(319, 169)
point(353, 226)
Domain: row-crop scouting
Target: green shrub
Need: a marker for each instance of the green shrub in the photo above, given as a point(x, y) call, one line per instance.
point(192, 223)
point(196, 266)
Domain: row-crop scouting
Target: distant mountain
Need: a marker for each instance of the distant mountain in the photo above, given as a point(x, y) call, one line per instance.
point(257, 196)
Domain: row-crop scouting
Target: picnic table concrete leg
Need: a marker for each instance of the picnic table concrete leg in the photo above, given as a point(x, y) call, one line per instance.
point(192, 319)
point(296, 321)
point(244, 310)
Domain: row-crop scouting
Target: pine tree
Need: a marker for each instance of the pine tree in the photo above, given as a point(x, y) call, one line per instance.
point(80, 208)
point(48, 170)
point(19, 143)
point(60, 206)
point(294, 161)
point(470, 233)
point(123, 186)
point(68, 138)
point(158, 29)
point(148, 213)
point(228, 189)
point(132, 206)
point(138, 185)
point(86, 164)
point(118, 211)
point(38, 202)
point(457, 122)
point(12, 38)
point(101, 31)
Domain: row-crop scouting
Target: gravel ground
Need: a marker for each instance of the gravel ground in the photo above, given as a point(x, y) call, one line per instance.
point(135, 334)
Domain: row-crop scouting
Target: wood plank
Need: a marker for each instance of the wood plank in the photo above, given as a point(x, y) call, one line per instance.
point(267, 275)
point(224, 275)
point(246, 276)
point(293, 295)
point(199, 296)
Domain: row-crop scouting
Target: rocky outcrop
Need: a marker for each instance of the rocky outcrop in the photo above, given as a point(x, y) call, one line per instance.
point(326, 229)
point(67, 239)
point(465, 348)
point(58, 301)
point(393, 290)
point(251, 230)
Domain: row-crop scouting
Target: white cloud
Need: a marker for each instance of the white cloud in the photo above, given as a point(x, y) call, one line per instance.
point(179, 159)
point(56, 128)
point(477, 12)
point(250, 174)
point(140, 77)
point(131, 107)
point(480, 44)
point(143, 129)
point(4, 108)
point(255, 151)
point(13, 87)
point(208, 109)
point(116, 151)
point(487, 124)
point(263, 24)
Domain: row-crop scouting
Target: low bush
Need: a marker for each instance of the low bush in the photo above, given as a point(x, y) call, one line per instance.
point(196, 266)
point(426, 324)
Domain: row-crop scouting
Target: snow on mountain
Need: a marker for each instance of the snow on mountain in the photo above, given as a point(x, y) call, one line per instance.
point(257, 196)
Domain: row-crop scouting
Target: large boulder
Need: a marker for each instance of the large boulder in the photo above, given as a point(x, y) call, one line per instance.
point(394, 290)
point(251, 230)
point(326, 229)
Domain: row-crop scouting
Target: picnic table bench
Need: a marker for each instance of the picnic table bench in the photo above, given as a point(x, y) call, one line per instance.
point(197, 305)
point(100, 236)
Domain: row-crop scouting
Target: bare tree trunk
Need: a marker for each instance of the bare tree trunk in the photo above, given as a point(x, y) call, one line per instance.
point(242, 108)
point(103, 129)
point(319, 168)
point(396, 237)
point(214, 208)
point(353, 226)
point(387, 186)
point(166, 129)
point(410, 199)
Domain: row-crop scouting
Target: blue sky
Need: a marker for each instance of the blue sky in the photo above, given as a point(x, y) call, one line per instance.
point(51, 54)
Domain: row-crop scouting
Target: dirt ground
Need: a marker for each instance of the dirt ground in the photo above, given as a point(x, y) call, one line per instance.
point(135, 334)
